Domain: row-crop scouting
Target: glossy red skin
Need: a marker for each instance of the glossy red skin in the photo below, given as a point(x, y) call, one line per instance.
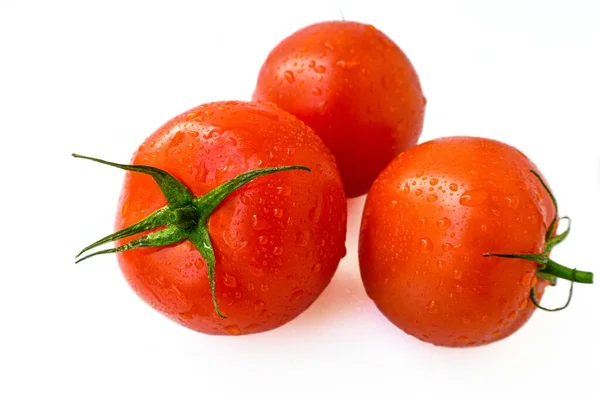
point(422, 240)
point(355, 87)
point(278, 240)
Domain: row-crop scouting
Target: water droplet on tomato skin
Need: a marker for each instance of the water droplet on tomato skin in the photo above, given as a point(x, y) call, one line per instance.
point(277, 212)
point(433, 308)
point(259, 305)
point(426, 245)
point(296, 296)
point(316, 267)
point(289, 76)
point(264, 287)
point(431, 198)
point(512, 201)
point(232, 330)
point(185, 316)
point(443, 224)
point(453, 187)
point(316, 91)
point(302, 238)
point(457, 274)
point(473, 198)
point(523, 304)
point(320, 69)
point(526, 279)
point(278, 250)
point(229, 280)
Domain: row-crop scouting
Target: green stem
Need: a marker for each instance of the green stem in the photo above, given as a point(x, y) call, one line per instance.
point(573, 275)
point(185, 217)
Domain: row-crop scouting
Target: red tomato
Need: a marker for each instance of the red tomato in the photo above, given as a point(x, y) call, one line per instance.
point(355, 87)
point(277, 240)
point(429, 219)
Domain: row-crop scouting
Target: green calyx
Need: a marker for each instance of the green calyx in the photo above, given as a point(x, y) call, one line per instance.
point(549, 269)
point(185, 217)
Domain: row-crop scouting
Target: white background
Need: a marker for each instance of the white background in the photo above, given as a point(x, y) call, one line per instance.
point(97, 79)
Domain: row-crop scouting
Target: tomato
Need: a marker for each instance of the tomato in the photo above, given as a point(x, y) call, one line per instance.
point(355, 87)
point(445, 232)
point(277, 240)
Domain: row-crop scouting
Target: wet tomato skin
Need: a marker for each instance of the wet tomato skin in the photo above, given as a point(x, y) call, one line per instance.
point(355, 87)
point(277, 240)
point(429, 218)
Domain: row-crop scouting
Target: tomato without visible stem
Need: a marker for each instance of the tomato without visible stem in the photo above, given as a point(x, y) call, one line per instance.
point(355, 87)
point(277, 240)
point(429, 219)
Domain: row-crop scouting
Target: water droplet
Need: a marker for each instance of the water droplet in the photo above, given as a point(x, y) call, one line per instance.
point(251, 286)
point(259, 305)
point(296, 296)
point(245, 199)
point(466, 320)
point(278, 250)
point(419, 174)
point(512, 201)
point(289, 76)
point(463, 339)
point(496, 332)
point(258, 224)
point(418, 192)
point(201, 173)
point(433, 308)
point(523, 304)
point(302, 238)
point(512, 315)
point(526, 279)
point(346, 64)
point(316, 91)
point(473, 198)
point(457, 274)
point(264, 287)
point(440, 264)
point(443, 224)
point(426, 245)
point(232, 330)
point(406, 189)
point(453, 187)
point(199, 263)
point(320, 69)
point(185, 316)
point(277, 212)
point(433, 181)
point(312, 64)
point(229, 280)
point(458, 288)
point(315, 213)
point(431, 198)
point(263, 239)
point(394, 203)
point(316, 267)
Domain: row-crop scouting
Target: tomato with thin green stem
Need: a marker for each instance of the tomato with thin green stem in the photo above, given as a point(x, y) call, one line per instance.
point(355, 87)
point(232, 218)
point(455, 241)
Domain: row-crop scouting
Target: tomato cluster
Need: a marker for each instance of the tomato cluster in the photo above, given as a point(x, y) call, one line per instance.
point(232, 216)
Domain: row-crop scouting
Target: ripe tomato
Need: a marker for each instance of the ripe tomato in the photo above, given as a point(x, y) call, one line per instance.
point(277, 240)
point(355, 87)
point(430, 218)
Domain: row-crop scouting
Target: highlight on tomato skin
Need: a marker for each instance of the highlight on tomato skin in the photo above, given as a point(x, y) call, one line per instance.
point(255, 216)
point(355, 87)
point(458, 253)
